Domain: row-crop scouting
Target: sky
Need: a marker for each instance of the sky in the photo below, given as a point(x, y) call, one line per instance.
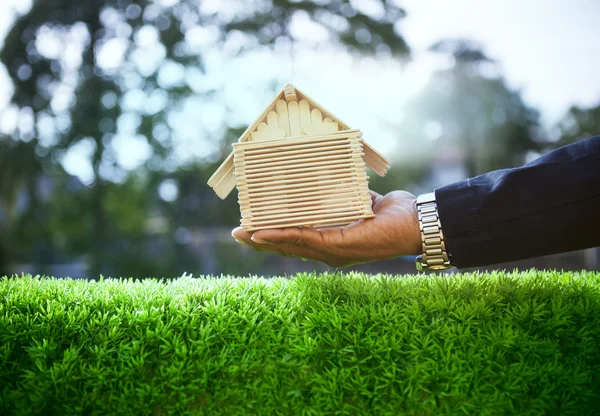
point(547, 49)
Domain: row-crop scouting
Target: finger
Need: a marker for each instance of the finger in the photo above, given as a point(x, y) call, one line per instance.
point(375, 196)
point(245, 238)
point(289, 250)
point(242, 236)
point(301, 237)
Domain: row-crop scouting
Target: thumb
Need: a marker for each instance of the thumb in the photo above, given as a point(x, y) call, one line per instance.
point(375, 196)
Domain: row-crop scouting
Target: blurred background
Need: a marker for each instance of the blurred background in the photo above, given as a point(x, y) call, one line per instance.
point(114, 113)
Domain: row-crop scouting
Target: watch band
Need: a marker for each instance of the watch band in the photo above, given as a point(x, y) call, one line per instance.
point(435, 255)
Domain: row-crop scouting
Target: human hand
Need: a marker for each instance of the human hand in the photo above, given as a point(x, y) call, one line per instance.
point(392, 233)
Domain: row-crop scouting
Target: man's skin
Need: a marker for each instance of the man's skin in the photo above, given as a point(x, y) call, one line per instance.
point(392, 233)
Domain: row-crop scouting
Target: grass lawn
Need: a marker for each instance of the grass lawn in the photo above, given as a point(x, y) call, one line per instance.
point(346, 344)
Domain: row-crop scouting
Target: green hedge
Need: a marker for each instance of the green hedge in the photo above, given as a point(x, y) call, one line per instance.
point(347, 344)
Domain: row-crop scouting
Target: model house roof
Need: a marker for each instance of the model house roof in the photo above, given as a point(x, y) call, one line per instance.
point(291, 114)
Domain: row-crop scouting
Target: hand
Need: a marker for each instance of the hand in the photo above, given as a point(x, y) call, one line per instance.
point(392, 233)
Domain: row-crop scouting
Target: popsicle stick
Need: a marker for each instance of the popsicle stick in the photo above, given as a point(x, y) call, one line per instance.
point(221, 171)
point(375, 160)
point(322, 128)
point(305, 118)
point(323, 190)
point(299, 149)
point(307, 221)
point(347, 147)
point(308, 180)
point(287, 217)
point(279, 170)
point(317, 126)
point(302, 140)
point(355, 204)
point(307, 174)
point(284, 152)
point(290, 93)
point(275, 208)
point(300, 161)
point(306, 185)
point(245, 193)
point(294, 141)
point(346, 205)
point(270, 172)
point(294, 117)
point(311, 223)
point(315, 196)
point(282, 114)
point(348, 209)
point(226, 184)
point(269, 130)
point(295, 157)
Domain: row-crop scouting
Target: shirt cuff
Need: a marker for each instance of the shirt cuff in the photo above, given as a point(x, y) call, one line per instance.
point(457, 212)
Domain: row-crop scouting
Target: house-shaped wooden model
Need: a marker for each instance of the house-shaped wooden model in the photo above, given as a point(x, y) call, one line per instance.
point(299, 165)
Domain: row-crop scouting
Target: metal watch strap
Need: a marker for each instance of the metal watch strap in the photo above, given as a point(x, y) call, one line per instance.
point(435, 256)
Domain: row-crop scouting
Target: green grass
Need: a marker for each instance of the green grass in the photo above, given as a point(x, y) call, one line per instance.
point(481, 344)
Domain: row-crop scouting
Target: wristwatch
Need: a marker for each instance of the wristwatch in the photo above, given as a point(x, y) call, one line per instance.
point(435, 256)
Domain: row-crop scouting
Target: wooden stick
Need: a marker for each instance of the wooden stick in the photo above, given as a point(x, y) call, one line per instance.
point(314, 222)
point(295, 141)
point(322, 190)
point(307, 211)
point(325, 176)
point(294, 116)
point(282, 114)
point(325, 147)
point(315, 184)
point(290, 173)
point(319, 219)
point(344, 134)
point(221, 171)
point(286, 168)
point(264, 201)
point(305, 120)
point(224, 188)
point(309, 174)
point(375, 161)
point(226, 181)
point(245, 194)
point(303, 206)
point(306, 160)
point(305, 156)
point(300, 203)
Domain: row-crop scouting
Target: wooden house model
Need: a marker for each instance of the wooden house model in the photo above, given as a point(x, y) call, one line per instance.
point(299, 165)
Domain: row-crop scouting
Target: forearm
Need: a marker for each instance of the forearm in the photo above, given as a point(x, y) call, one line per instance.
point(548, 206)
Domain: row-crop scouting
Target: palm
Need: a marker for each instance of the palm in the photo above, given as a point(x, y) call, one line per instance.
point(393, 232)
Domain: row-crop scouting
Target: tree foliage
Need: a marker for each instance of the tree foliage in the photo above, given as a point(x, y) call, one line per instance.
point(579, 123)
point(467, 114)
point(67, 97)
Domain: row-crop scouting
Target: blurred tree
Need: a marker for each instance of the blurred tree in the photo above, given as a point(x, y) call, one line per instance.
point(467, 115)
point(91, 74)
point(579, 123)
point(18, 193)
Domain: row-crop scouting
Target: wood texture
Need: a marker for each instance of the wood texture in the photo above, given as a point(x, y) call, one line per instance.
point(298, 164)
point(313, 181)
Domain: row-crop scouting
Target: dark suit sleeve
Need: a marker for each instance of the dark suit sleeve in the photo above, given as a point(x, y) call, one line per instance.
point(550, 205)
